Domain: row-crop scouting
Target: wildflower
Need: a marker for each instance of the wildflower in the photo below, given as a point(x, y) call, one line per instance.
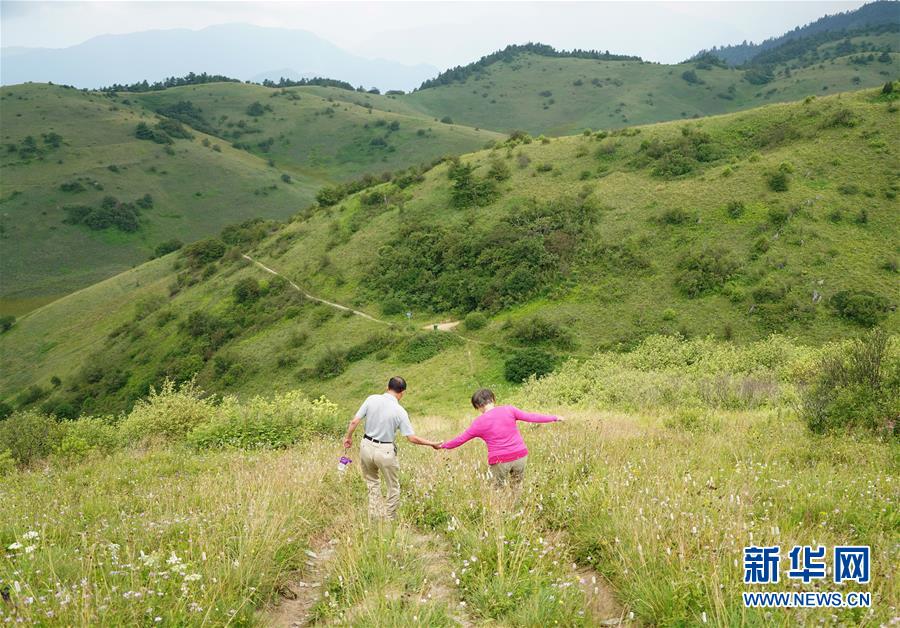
point(192, 577)
point(31, 534)
point(30, 549)
point(173, 559)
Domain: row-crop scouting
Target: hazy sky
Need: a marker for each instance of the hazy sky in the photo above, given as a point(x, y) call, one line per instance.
point(439, 33)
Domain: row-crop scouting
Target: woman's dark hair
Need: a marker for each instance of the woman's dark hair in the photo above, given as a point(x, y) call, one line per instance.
point(397, 384)
point(483, 397)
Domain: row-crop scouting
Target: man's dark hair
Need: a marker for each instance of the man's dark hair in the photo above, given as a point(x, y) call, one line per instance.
point(483, 397)
point(397, 384)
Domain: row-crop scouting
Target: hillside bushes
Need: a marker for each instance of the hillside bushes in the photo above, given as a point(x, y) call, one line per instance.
point(856, 385)
point(172, 414)
point(525, 363)
point(679, 156)
point(861, 306)
point(484, 266)
point(266, 423)
point(124, 216)
point(668, 371)
point(704, 271)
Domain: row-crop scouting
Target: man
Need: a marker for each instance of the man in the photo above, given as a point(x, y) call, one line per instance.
point(383, 415)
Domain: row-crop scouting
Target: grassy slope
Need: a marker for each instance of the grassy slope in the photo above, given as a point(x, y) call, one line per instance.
point(311, 141)
point(196, 191)
point(602, 306)
point(508, 95)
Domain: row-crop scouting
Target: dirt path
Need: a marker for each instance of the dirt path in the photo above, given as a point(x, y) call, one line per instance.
point(312, 297)
point(300, 595)
point(439, 583)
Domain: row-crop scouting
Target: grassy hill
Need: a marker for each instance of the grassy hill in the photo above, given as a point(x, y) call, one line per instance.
point(779, 219)
point(326, 133)
point(83, 149)
point(560, 95)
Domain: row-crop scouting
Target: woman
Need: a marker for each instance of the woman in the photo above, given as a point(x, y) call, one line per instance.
point(496, 426)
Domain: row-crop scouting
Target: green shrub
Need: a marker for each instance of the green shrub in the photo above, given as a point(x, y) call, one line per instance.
point(87, 436)
point(778, 181)
point(266, 423)
point(204, 251)
point(426, 345)
point(861, 306)
point(29, 436)
point(169, 246)
point(676, 216)
point(778, 216)
point(7, 463)
point(331, 364)
point(693, 420)
point(168, 414)
point(392, 306)
point(735, 209)
point(6, 322)
point(372, 344)
point(705, 271)
point(246, 290)
point(536, 330)
point(474, 321)
point(525, 363)
point(856, 386)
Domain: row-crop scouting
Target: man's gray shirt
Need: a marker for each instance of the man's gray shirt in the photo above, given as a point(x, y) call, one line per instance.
point(384, 415)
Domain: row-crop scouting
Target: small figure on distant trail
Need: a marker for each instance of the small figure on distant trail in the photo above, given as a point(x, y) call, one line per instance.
point(383, 415)
point(496, 426)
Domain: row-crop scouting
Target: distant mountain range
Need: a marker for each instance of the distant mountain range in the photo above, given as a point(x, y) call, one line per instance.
point(885, 12)
point(243, 51)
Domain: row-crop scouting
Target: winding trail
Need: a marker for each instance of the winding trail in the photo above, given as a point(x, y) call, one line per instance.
point(313, 297)
point(449, 326)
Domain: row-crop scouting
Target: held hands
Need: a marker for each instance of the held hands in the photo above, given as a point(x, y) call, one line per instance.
point(437, 446)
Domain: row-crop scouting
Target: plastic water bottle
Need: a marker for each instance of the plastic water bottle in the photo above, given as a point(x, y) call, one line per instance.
point(343, 463)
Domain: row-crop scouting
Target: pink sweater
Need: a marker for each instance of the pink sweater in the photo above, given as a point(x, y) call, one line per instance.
point(497, 428)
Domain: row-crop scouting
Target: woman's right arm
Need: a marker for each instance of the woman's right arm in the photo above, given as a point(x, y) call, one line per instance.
point(465, 437)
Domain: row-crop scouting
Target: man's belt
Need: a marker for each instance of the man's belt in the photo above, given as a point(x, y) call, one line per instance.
point(375, 440)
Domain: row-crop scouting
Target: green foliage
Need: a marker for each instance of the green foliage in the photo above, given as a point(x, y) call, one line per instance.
point(204, 251)
point(168, 414)
point(169, 246)
point(485, 266)
point(262, 423)
point(469, 190)
point(392, 306)
point(111, 213)
point(29, 436)
point(704, 271)
point(425, 345)
point(536, 330)
point(87, 436)
point(526, 363)
point(856, 385)
point(778, 181)
point(246, 290)
point(330, 364)
point(474, 321)
point(679, 156)
point(6, 322)
point(669, 371)
point(690, 76)
point(861, 306)
point(735, 209)
point(372, 344)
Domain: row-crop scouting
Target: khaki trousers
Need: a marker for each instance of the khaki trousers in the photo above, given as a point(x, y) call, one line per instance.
point(509, 472)
point(380, 459)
